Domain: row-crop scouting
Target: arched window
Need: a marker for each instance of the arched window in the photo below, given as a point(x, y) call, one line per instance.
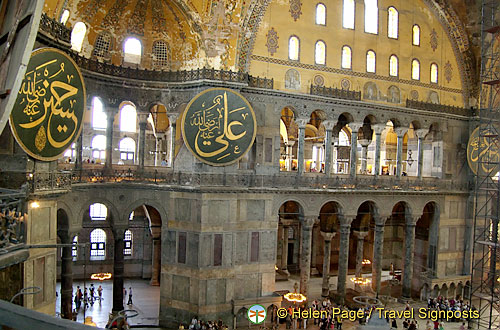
point(416, 35)
point(415, 69)
point(77, 36)
point(64, 17)
point(293, 48)
point(98, 212)
point(370, 61)
point(98, 146)
point(320, 53)
point(392, 22)
point(128, 118)
point(371, 16)
point(97, 244)
point(132, 50)
point(346, 57)
point(101, 46)
point(393, 66)
point(74, 248)
point(348, 11)
point(343, 139)
point(71, 152)
point(127, 149)
point(127, 251)
point(321, 14)
point(161, 55)
point(99, 118)
point(131, 216)
point(434, 73)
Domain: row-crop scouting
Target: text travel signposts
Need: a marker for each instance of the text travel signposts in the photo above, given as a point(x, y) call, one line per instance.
point(48, 113)
point(219, 126)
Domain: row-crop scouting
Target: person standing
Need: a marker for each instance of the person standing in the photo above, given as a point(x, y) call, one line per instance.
point(92, 290)
point(129, 296)
point(99, 292)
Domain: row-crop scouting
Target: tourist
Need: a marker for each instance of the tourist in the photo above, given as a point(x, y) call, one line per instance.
point(394, 324)
point(129, 296)
point(99, 292)
point(91, 290)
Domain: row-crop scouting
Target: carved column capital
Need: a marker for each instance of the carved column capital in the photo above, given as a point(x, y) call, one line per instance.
point(360, 234)
point(327, 236)
point(401, 131)
point(378, 128)
point(364, 142)
point(421, 133)
point(308, 222)
point(355, 126)
point(302, 122)
point(172, 117)
point(329, 124)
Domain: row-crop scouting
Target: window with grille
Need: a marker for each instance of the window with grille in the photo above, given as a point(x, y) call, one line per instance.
point(98, 244)
point(127, 149)
point(98, 146)
point(98, 211)
point(101, 46)
point(74, 251)
point(127, 251)
point(161, 55)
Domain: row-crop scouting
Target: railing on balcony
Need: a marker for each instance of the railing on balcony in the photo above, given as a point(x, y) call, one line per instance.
point(279, 181)
point(12, 228)
point(55, 29)
point(420, 105)
point(335, 93)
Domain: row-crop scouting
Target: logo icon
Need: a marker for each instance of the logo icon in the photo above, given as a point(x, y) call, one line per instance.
point(256, 314)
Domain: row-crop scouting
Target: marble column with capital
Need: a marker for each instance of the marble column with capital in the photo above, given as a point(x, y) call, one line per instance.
point(328, 146)
point(325, 287)
point(307, 224)
point(66, 278)
point(172, 119)
point(79, 152)
point(420, 133)
point(378, 140)
point(378, 249)
point(364, 154)
point(400, 132)
point(345, 231)
point(360, 235)
point(142, 142)
point(354, 147)
point(110, 121)
point(409, 253)
point(284, 251)
point(300, 151)
point(118, 269)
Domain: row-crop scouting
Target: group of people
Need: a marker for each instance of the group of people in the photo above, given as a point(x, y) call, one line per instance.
point(87, 297)
point(444, 304)
point(197, 324)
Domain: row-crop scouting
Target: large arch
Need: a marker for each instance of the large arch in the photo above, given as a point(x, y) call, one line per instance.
point(290, 214)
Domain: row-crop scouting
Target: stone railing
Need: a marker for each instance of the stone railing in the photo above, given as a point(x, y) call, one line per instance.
point(437, 107)
point(281, 181)
point(36, 182)
point(12, 228)
point(335, 93)
point(55, 29)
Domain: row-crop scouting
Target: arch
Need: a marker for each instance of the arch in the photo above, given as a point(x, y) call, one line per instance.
point(434, 73)
point(346, 57)
point(371, 61)
point(452, 290)
point(467, 290)
point(128, 118)
point(64, 17)
point(393, 66)
point(320, 52)
point(415, 69)
point(370, 119)
point(112, 215)
point(99, 117)
point(329, 216)
point(444, 291)
point(242, 319)
point(460, 291)
point(291, 206)
point(98, 211)
point(98, 145)
point(424, 292)
point(132, 50)
point(78, 35)
point(147, 202)
point(320, 14)
point(392, 23)
point(435, 291)
point(127, 149)
point(294, 48)
point(62, 224)
point(415, 40)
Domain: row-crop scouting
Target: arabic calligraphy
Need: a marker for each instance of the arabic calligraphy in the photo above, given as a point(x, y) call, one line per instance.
point(48, 113)
point(219, 126)
point(482, 152)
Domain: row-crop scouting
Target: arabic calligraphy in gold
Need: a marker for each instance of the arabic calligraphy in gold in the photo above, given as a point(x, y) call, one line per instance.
point(219, 126)
point(47, 115)
point(483, 153)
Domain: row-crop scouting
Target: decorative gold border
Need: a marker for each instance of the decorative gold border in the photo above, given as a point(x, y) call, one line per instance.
point(12, 128)
point(184, 120)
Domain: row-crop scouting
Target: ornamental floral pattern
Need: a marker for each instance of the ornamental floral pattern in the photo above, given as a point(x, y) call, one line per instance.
point(319, 80)
point(434, 40)
point(272, 41)
point(295, 9)
point(448, 71)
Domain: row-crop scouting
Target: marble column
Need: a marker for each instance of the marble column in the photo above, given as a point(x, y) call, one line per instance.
point(378, 140)
point(172, 118)
point(110, 120)
point(289, 153)
point(328, 146)
point(118, 268)
point(307, 224)
point(79, 152)
point(400, 132)
point(409, 252)
point(360, 235)
point(378, 249)
point(354, 147)
point(420, 133)
point(284, 252)
point(345, 230)
point(300, 151)
point(364, 154)
point(66, 279)
point(156, 261)
point(142, 143)
point(325, 287)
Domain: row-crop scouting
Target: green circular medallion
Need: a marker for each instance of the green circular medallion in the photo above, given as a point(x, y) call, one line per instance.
point(47, 116)
point(482, 152)
point(219, 126)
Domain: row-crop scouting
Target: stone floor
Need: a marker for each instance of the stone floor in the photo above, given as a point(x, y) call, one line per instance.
point(146, 301)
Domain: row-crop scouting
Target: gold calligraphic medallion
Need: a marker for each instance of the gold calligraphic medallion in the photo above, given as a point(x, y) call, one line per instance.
point(483, 153)
point(219, 126)
point(47, 116)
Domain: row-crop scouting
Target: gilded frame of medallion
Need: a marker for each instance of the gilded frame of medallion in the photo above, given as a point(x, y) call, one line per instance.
point(249, 108)
point(14, 132)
